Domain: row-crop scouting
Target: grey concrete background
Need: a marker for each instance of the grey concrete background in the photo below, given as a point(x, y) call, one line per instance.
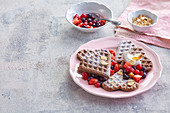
point(36, 43)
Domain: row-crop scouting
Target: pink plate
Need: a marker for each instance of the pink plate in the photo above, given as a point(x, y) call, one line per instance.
point(112, 43)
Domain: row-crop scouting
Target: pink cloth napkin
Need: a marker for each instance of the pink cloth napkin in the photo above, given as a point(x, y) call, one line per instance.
point(159, 34)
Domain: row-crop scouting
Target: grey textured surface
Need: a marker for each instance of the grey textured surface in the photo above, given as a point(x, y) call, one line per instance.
point(36, 43)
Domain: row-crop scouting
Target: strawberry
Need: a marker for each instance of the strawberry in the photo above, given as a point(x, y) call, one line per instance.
point(76, 21)
point(83, 16)
point(126, 65)
point(76, 16)
point(93, 81)
point(128, 69)
point(112, 52)
point(112, 57)
point(136, 72)
point(97, 85)
point(80, 24)
point(141, 73)
point(85, 75)
point(139, 67)
point(111, 72)
point(116, 68)
point(137, 78)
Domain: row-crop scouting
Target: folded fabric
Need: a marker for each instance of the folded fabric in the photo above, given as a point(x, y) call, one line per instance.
point(159, 34)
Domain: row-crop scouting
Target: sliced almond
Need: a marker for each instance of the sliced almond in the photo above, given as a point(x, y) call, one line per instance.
point(103, 62)
point(130, 82)
point(132, 62)
point(103, 58)
point(120, 73)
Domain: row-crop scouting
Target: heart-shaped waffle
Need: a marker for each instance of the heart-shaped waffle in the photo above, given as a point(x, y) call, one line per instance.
point(96, 62)
point(123, 47)
point(117, 82)
point(146, 62)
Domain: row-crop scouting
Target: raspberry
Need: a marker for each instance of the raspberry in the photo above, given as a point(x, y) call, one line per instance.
point(97, 85)
point(85, 75)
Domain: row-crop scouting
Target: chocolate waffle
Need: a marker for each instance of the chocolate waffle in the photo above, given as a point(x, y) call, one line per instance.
point(117, 82)
point(124, 46)
point(146, 62)
point(137, 50)
point(96, 62)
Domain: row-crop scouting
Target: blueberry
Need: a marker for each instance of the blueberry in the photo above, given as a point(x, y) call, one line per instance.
point(111, 60)
point(83, 26)
point(105, 50)
point(125, 76)
point(89, 15)
point(112, 67)
point(92, 17)
point(89, 20)
point(97, 24)
point(124, 71)
point(134, 67)
point(94, 21)
point(94, 24)
point(143, 69)
point(102, 79)
point(83, 20)
point(89, 78)
point(144, 75)
point(94, 76)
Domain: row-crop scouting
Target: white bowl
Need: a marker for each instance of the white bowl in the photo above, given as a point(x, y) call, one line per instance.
point(88, 7)
point(135, 14)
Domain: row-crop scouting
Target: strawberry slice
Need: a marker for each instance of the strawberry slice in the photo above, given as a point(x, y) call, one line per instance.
point(76, 21)
point(76, 16)
point(137, 78)
point(93, 81)
point(112, 52)
point(116, 68)
point(112, 57)
point(112, 72)
point(126, 65)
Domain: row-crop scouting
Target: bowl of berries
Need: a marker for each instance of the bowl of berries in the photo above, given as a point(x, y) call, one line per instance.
point(83, 17)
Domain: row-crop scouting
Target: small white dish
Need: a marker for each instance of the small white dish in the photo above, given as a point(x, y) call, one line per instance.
point(88, 7)
point(135, 14)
